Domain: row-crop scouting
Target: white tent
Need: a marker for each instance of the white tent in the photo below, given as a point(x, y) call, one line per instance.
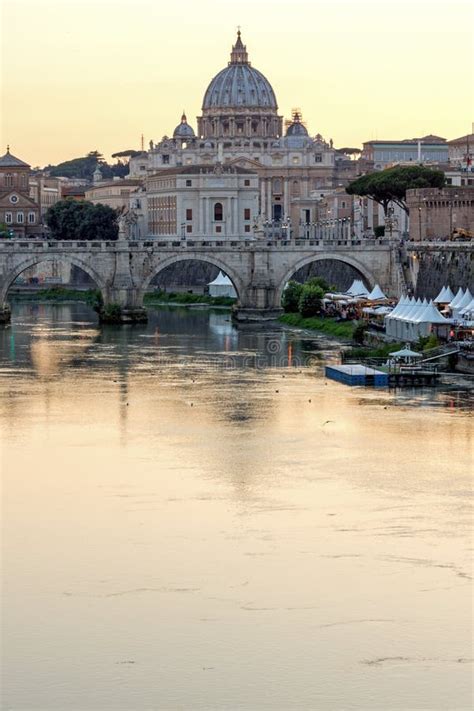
point(445, 296)
point(376, 294)
point(468, 310)
point(405, 326)
point(462, 303)
point(357, 289)
point(430, 316)
point(391, 319)
point(405, 354)
point(222, 286)
point(457, 299)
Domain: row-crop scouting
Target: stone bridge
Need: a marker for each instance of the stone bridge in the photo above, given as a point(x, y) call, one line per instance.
point(259, 270)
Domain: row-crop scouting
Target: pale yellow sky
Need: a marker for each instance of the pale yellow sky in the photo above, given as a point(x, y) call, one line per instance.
point(79, 75)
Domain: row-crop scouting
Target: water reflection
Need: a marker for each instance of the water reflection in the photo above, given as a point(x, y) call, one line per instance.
point(195, 518)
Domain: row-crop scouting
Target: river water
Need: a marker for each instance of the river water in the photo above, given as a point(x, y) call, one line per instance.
point(194, 518)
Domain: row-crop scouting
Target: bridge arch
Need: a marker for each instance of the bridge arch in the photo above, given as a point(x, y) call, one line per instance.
point(162, 264)
point(345, 259)
point(9, 275)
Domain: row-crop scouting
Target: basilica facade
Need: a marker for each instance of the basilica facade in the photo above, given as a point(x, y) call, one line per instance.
point(240, 127)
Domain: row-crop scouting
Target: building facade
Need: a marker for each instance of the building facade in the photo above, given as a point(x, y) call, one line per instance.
point(435, 213)
point(426, 150)
point(114, 193)
point(240, 126)
point(18, 212)
point(45, 192)
point(202, 201)
point(461, 152)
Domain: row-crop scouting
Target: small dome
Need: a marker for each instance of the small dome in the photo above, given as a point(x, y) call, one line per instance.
point(239, 85)
point(183, 129)
point(296, 127)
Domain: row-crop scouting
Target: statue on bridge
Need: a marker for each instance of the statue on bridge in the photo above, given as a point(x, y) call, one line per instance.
point(127, 219)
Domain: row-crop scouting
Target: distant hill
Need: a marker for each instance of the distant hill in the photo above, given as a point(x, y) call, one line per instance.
point(84, 167)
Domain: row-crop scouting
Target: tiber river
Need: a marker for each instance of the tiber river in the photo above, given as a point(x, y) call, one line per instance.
point(194, 518)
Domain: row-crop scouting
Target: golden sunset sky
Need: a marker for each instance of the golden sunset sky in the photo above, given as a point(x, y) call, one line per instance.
point(79, 75)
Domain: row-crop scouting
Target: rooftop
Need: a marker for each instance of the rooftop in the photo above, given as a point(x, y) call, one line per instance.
point(10, 161)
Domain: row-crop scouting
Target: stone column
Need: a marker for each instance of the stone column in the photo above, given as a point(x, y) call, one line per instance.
point(286, 198)
point(262, 198)
point(269, 199)
point(204, 216)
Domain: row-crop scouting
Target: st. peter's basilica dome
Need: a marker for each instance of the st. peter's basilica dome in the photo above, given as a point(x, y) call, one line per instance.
point(239, 85)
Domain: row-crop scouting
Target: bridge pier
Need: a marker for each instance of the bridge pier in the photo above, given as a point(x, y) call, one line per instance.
point(259, 303)
point(122, 306)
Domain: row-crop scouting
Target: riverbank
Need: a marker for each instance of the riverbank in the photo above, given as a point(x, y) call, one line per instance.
point(92, 296)
point(331, 327)
point(57, 294)
point(162, 298)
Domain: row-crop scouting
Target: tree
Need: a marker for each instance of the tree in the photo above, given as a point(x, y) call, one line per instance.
point(84, 167)
point(5, 231)
point(320, 282)
point(310, 301)
point(291, 297)
point(82, 220)
point(130, 153)
point(391, 185)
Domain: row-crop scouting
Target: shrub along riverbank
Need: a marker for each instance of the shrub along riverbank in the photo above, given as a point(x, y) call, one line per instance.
point(330, 326)
point(93, 297)
point(162, 297)
point(57, 294)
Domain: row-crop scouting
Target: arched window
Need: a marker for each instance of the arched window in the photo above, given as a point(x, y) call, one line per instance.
point(218, 212)
point(8, 180)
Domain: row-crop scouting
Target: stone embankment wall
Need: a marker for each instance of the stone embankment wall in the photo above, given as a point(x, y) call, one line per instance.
point(436, 270)
point(336, 273)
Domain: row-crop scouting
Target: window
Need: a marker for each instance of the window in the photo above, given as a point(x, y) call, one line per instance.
point(8, 180)
point(318, 158)
point(246, 183)
point(189, 214)
point(343, 204)
point(247, 213)
point(20, 218)
point(166, 159)
point(189, 228)
point(247, 228)
point(31, 218)
point(296, 160)
point(189, 183)
point(24, 181)
point(218, 228)
point(8, 218)
point(143, 167)
point(218, 212)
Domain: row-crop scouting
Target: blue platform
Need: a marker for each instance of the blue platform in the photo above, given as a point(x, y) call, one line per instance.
point(357, 375)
